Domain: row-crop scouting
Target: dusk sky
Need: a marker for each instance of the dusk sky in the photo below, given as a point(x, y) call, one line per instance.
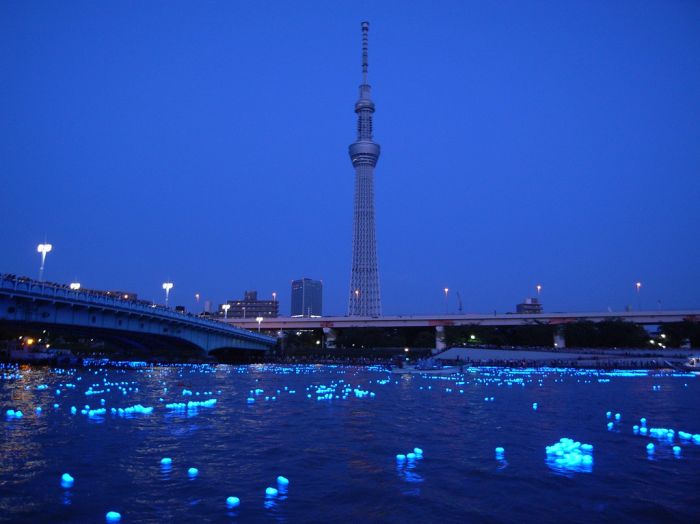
point(205, 143)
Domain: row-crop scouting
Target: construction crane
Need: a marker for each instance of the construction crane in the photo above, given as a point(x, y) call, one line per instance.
point(459, 302)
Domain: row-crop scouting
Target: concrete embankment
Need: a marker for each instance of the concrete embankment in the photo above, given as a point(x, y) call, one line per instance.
point(630, 358)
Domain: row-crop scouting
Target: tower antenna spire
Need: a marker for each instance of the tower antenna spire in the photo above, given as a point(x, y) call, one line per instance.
point(365, 61)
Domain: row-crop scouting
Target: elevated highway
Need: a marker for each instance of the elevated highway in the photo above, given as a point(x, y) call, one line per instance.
point(330, 325)
point(508, 319)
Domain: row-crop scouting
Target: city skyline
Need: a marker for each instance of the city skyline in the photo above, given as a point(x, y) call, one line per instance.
point(520, 147)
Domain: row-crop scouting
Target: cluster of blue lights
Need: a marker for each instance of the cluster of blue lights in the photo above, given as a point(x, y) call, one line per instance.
point(11, 413)
point(406, 465)
point(337, 390)
point(192, 405)
point(568, 455)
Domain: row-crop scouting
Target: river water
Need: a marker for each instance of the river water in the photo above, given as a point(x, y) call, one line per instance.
point(334, 432)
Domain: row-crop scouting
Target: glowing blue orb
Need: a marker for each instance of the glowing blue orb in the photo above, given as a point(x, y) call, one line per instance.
point(233, 502)
point(650, 448)
point(282, 481)
point(166, 461)
point(271, 492)
point(67, 480)
point(113, 516)
point(193, 472)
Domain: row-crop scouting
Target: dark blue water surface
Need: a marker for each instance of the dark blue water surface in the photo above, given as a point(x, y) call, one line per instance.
point(339, 453)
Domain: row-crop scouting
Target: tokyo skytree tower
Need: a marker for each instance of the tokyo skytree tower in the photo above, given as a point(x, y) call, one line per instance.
point(364, 279)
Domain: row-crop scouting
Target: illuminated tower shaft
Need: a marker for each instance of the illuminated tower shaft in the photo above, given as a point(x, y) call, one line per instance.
point(364, 280)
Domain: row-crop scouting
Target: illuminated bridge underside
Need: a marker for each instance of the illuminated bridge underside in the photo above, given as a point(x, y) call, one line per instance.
point(33, 304)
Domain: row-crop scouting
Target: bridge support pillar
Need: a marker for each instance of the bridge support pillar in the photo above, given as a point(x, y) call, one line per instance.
point(440, 344)
point(329, 337)
point(559, 340)
point(282, 340)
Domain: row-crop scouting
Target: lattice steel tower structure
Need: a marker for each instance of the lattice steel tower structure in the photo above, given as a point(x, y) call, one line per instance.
point(364, 279)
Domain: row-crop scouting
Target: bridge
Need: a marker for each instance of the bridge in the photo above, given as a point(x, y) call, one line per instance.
point(33, 304)
point(330, 325)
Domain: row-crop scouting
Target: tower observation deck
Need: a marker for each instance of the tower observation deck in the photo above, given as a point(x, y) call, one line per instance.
point(364, 297)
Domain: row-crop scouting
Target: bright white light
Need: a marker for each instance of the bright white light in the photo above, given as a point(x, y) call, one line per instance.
point(43, 249)
point(75, 286)
point(167, 286)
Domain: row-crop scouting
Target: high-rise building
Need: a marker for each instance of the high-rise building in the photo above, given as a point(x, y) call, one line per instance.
point(364, 297)
point(251, 307)
point(307, 298)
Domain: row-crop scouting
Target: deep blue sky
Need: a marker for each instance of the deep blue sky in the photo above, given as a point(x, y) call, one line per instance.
point(523, 142)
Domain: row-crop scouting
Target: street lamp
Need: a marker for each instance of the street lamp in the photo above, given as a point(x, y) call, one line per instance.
point(538, 287)
point(167, 286)
point(196, 297)
point(43, 249)
point(638, 285)
point(446, 302)
point(259, 321)
point(274, 296)
point(75, 286)
point(226, 307)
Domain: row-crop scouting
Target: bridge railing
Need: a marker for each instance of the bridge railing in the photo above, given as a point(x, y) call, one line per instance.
point(54, 291)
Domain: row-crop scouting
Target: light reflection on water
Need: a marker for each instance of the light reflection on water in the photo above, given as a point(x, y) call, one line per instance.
point(340, 455)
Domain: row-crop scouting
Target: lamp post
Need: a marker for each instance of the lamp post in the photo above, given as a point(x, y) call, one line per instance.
point(638, 285)
point(538, 287)
point(167, 286)
point(226, 307)
point(259, 321)
point(43, 249)
point(75, 286)
point(446, 301)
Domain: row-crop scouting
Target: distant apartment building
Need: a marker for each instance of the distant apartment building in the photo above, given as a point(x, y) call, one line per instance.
point(307, 298)
point(251, 307)
point(529, 306)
